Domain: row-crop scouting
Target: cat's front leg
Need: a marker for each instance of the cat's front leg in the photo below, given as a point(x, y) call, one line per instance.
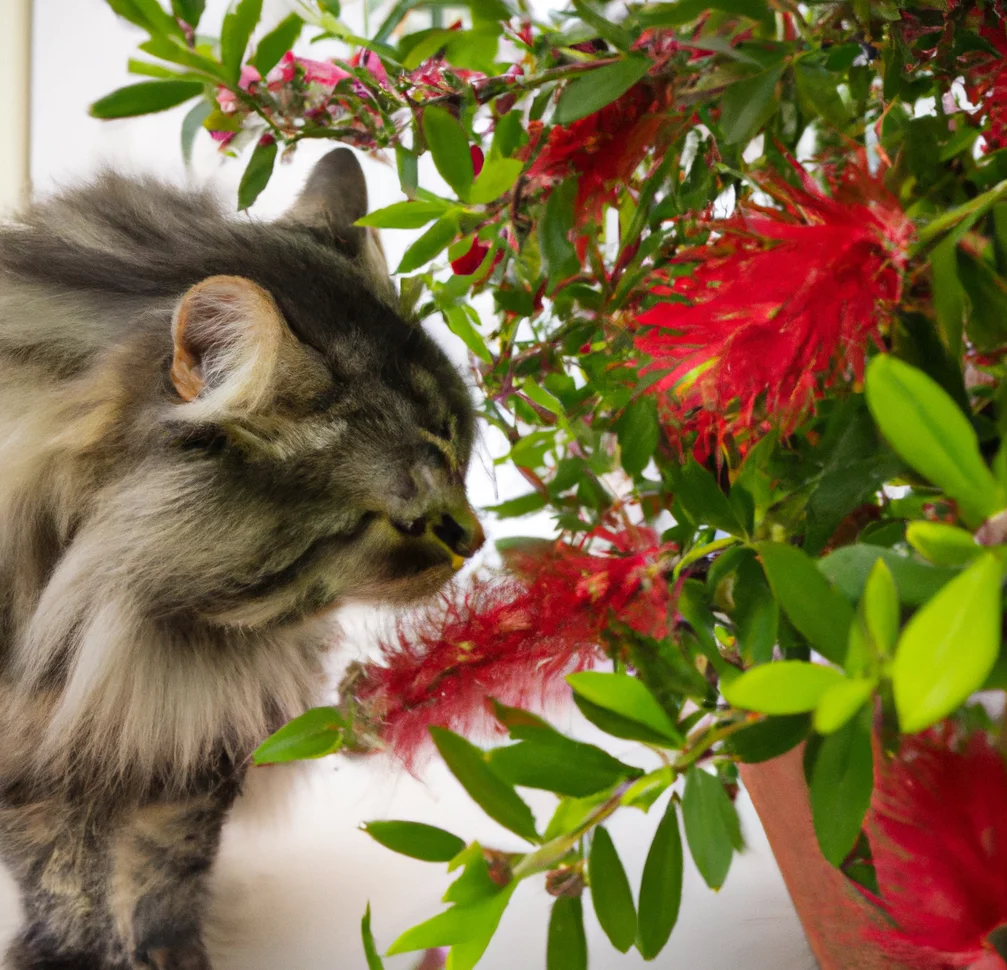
point(159, 881)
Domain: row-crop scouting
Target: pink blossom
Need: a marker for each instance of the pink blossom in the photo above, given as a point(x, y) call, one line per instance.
point(227, 99)
point(315, 72)
point(369, 60)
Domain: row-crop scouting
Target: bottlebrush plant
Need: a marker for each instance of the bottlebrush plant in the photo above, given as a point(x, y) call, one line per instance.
point(748, 260)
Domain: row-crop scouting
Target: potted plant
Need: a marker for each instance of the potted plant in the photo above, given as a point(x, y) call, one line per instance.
point(748, 261)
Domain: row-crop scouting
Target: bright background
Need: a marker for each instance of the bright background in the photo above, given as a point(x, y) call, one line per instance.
point(295, 874)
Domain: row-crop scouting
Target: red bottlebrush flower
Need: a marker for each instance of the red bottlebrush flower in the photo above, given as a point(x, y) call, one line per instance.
point(987, 86)
point(512, 638)
point(780, 306)
point(469, 262)
point(938, 833)
point(603, 149)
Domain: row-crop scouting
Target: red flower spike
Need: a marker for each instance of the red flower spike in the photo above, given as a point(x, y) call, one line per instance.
point(603, 149)
point(938, 833)
point(779, 307)
point(510, 639)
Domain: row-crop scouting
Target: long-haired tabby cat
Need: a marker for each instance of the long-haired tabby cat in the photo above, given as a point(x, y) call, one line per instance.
point(212, 431)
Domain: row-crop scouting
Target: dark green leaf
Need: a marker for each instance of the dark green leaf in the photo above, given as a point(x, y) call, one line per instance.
point(145, 98)
point(552, 762)
point(432, 242)
point(416, 840)
point(610, 892)
point(949, 647)
point(174, 53)
point(558, 253)
point(638, 431)
point(711, 824)
point(567, 946)
point(617, 725)
point(487, 789)
point(449, 146)
point(685, 11)
point(784, 687)
point(702, 498)
point(626, 697)
point(235, 33)
point(818, 611)
point(816, 89)
point(370, 950)
point(661, 887)
point(986, 293)
point(842, 777)
point(756, 615)
point(189, 11)
point(849, 567)
point(276, 43)
point(523, 505)
point(616, 35)
point(593, 90)
point(257, 174)
point(148, 14)
point(314, 734)
point(770, 737)
point(925, 426)
point(747, 105)
point(191, 124)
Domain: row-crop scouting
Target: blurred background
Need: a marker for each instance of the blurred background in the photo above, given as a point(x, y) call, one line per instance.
point(295, 873)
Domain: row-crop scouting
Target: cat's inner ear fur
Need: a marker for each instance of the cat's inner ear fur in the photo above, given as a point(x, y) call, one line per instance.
point(332, 200)
point(229, 337)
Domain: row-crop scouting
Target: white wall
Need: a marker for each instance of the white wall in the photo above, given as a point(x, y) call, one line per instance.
point(295, 874)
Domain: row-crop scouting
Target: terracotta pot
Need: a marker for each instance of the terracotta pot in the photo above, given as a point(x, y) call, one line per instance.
point(835, 917)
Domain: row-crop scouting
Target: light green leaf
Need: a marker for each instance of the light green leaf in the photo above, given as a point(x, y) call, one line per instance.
point(949, 647)
point(943, 544)
point(460, 924)
point(235, 33)
point(145, 98)
point(594, 89)
point(432, 242)
point(495, 180)
point(405, 215)
point(928, 430)
point(880, 608)
point(784, 687)
point(276, 43)
point(841, 702)
point(610, 891)
point(460, 324)
point(314, 734)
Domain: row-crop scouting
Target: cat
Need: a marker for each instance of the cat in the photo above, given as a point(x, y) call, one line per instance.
point(213, 431)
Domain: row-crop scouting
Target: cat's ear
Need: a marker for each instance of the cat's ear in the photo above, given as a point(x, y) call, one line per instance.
point(332, 200)
point(228, 336)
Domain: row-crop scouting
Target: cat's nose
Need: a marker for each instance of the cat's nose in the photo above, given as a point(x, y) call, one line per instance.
point(460, 531)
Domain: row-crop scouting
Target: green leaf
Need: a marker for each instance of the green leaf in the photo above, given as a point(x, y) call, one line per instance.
point(457, 925)
point(879, 608)
point(475, 882)
point(818, 611)
point(551, 762)
point(189, 11)
point(702, 498)
point(661, 887)
point(627, 697)
point(370, 950)
point(949, 647)
point(276, 43)
point(235, 33)
point(558, 253)
point(146, 69)
point(543, 398)
point(167, 50)
point(405, 215)
point(638, 431)
point(711, 823)
point(986, 292)
point(567, 945)
point(145, 98)
point(191, 124)
point(416, 840)
point(458, 319)
point(748, 104)
point(945, 545)
point(591, 91)
point(314, 734)
point(841, 702)
point(685, 11)
point(523, 505)
point(756, 615)
point(784, 687)
point(495, 180)
point(849, 567)
point(610, 891)
point(257, 174)
point(842, 778)
point(769, 738)
point(816, 89)
point(929, 431)
point(618, 726)
point(449, 146)
point(148, 14)
point(487, 789)
point(432, 242)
